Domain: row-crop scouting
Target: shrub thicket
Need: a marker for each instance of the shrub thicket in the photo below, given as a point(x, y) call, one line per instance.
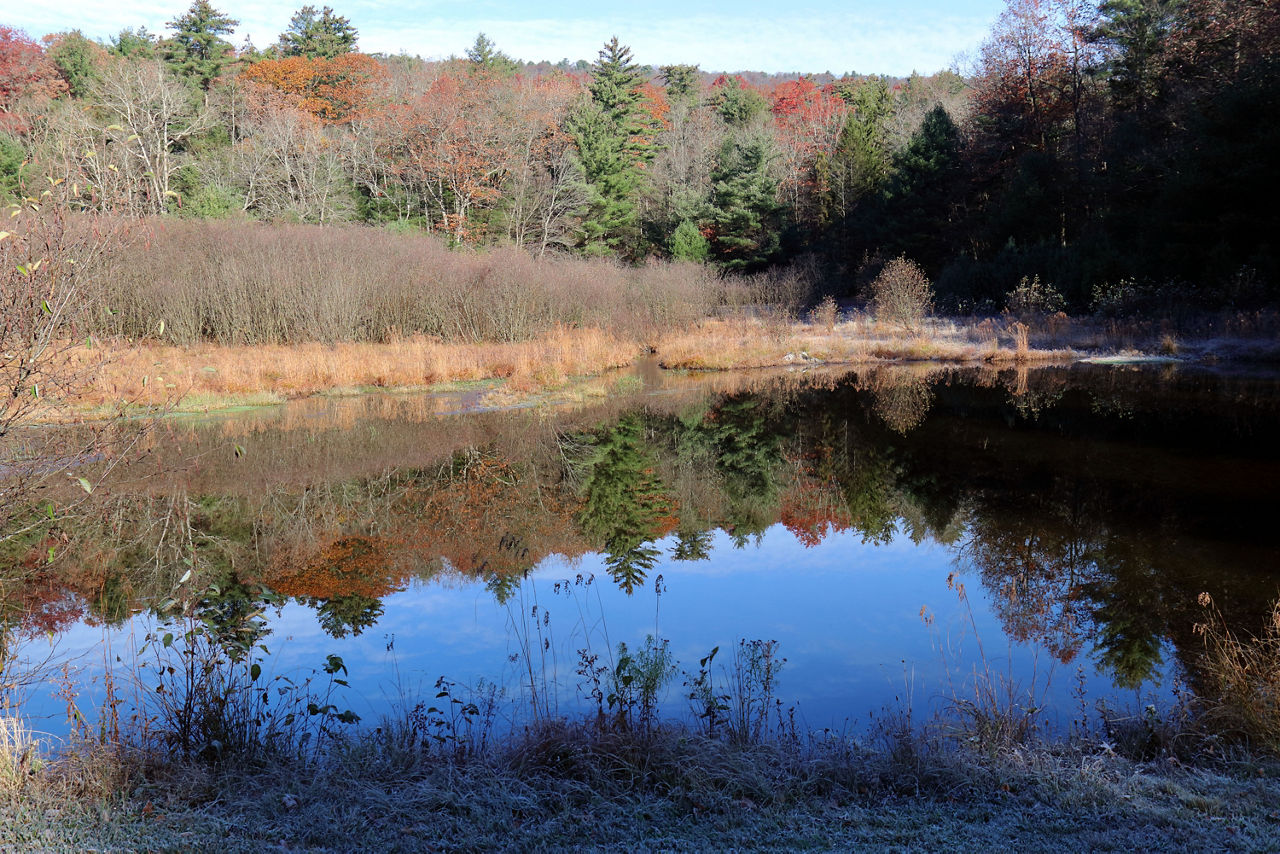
point(240, 283)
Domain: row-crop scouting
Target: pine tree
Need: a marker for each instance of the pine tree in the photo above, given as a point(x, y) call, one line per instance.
point(919, 195)
point(318, 34)
point(13, 157)
point(748, 450)
point(613, 181)
point(615, 84)
point(624, 502)
point(615, 135)
point(485, 58)
point(197, 50)
point(858, 171)
point(688, 244)
point(77, 60)
point(1139, 30)
point(737, 105)
point(746, 215)
point(681, 82)
point(138, 44)
point(862, 155)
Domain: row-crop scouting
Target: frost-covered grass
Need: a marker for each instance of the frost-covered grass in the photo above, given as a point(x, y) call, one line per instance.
point(569, 786)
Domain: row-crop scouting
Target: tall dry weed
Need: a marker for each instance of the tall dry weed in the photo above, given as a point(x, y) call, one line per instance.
point(1021, 341)
point(1241, 676)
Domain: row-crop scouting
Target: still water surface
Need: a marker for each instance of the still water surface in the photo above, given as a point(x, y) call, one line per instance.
point(899, 533)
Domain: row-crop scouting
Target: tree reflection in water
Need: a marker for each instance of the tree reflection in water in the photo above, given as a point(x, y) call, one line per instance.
point(1094, 506)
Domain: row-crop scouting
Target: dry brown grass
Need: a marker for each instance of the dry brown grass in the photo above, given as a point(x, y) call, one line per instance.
point(752, 343)
point(157, 374)
point(17, 748)
point(207, 376)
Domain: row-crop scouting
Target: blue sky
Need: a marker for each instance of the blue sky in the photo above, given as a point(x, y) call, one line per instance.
point(867, 36)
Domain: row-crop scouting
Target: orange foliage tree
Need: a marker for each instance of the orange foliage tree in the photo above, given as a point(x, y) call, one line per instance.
point(813, 505)
point(653, 101)
point(488, 518)
point(334, 90)
point(344, 566)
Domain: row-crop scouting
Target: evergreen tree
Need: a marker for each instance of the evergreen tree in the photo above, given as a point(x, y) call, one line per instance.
point(196, 50)
point(738, 106)
point(1127, 610)
point(624, 502)
point(747, 218)
point(615, 138)
point(861, 160)
point(693, 545)
point(615, 84)
point(933, 151)
point(76, 59)
point(610, 220)
point(748, 450)
point(681, 82)
point(869, 488)
point(13, 157)
point(485, 58)
point(917, 204)
point(318, 34)
point(346, 615)
point(688, 243)
point(858, 170)
point(137, 44)
point(1138, 31)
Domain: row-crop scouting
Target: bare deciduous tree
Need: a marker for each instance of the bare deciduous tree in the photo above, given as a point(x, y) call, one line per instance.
point(285, 165)
point(122, 153)
point(682, 168)
point(546, 187)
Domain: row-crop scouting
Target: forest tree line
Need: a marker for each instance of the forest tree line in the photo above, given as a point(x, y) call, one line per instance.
point(1117, 155)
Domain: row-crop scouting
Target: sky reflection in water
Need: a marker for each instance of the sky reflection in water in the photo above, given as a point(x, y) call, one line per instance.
point(847, 616)
point(1076, 507)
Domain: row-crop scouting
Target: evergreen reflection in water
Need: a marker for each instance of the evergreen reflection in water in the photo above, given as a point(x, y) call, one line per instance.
point(1093, 505)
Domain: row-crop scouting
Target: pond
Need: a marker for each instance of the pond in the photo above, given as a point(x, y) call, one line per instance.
point(903, 540)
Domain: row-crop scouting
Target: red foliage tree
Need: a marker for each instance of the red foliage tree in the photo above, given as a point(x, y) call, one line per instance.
point(26, 74)
point(807, 121)
point(723, 80)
